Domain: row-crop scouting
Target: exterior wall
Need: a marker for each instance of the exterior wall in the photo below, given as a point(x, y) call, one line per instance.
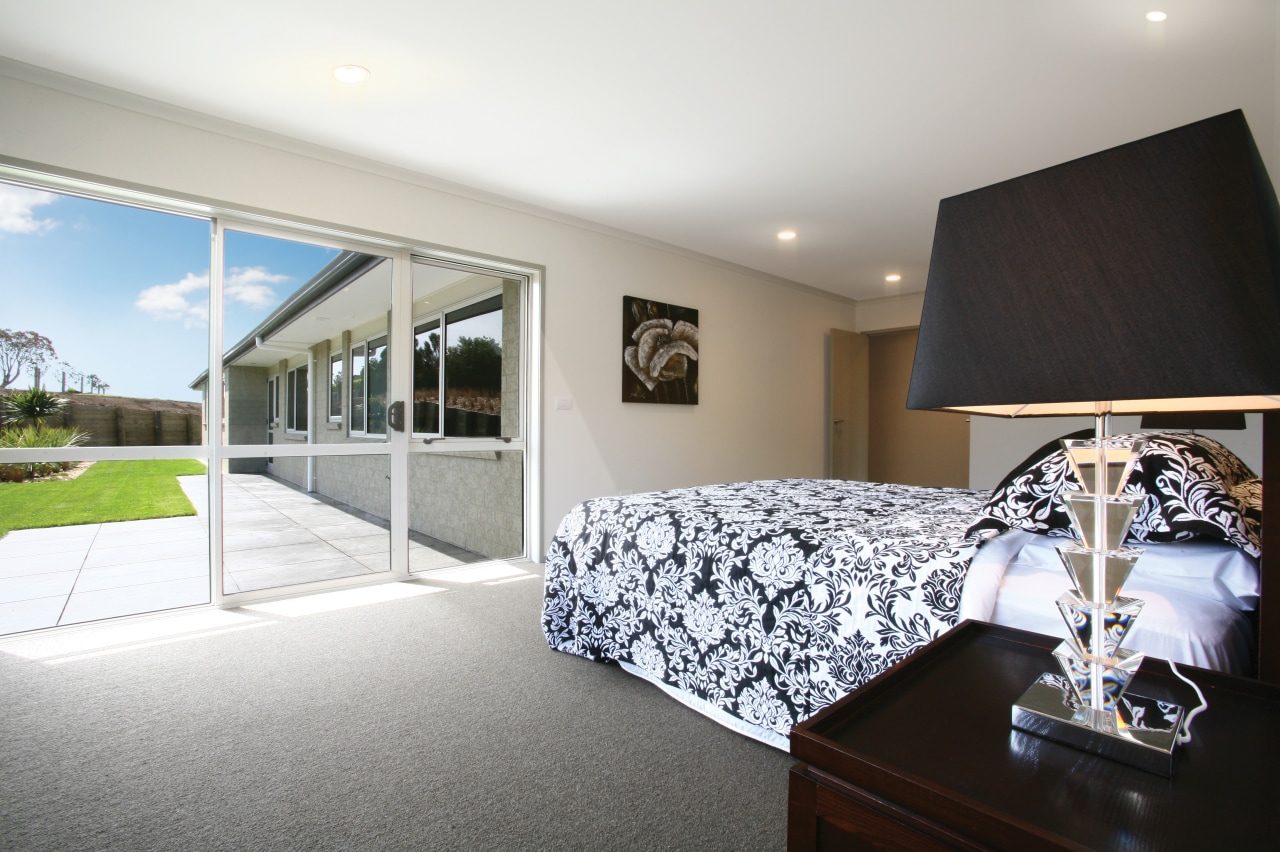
point(246, 413)
point(511, 369)
point(292, 470)
point(359, 481)
point(472, 500)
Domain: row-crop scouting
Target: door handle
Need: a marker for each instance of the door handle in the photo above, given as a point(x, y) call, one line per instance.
point(395, 416)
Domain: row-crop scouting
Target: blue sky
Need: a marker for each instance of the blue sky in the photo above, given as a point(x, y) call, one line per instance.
point(123, 292)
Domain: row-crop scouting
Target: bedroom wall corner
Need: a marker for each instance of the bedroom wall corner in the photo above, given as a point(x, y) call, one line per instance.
point(997, 444)
point(890, 313)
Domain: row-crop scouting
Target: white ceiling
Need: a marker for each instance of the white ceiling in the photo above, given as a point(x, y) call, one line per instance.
point(705, 124)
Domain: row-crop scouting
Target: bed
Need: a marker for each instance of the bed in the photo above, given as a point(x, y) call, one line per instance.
point(760, 603)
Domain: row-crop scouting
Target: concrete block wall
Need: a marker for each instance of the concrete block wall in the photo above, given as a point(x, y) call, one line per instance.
point(511, 359)
point(246, 414)
point(359, 481)
point(291, 469)
point(473, 500)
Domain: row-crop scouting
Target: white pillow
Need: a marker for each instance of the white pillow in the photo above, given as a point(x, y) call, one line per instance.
point(1211, 569)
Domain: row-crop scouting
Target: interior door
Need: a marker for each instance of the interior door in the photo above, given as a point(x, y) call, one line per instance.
point(848, 394)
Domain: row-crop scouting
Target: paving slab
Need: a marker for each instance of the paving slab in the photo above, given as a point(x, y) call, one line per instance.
point(274, 536)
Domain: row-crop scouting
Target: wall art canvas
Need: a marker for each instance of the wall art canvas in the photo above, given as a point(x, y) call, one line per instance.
point(659, 352)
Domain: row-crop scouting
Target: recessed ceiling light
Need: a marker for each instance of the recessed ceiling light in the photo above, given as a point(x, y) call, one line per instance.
point(892, 278)
point(786, 235)
point(1156, 17)
point(351, 73)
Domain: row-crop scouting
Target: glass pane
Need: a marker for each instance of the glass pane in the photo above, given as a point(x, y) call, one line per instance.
point(300, 399)
point(426, 378)
point(105, 315)
point(377, 405)
point(465, 507)
point(314, 518)
point(94, 540)
point(294, 311)
point(479, 345)
point(473, 370)
point(357, 388)
point(335, 386)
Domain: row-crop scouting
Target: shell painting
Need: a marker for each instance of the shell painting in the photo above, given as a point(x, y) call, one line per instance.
point(659, 352)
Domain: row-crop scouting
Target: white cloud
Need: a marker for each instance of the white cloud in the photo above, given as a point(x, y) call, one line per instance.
point(188, 299)
point(248, 285)
point(17, 204)
point(172, 302)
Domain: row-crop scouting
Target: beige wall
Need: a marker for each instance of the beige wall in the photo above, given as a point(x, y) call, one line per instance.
point(762, 410)
point(910, 447)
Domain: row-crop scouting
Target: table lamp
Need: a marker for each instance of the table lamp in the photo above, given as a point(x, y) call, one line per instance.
point(1144, 279)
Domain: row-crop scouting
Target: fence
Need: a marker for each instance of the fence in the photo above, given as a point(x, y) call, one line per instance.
point(131, 427)
point(119, 426)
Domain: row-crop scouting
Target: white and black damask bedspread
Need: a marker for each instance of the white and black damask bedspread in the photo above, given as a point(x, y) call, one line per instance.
point(769, 600)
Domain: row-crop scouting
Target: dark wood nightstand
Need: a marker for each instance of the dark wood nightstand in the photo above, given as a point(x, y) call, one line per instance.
point(924, 757)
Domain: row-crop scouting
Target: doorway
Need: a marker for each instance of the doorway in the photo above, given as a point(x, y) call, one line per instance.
point(910, 447)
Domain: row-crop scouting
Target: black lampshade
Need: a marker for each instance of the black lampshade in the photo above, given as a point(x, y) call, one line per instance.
point(1142, 276)
point(1194, 420)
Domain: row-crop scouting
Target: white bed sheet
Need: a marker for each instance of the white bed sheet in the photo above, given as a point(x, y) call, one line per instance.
point(1196, 596)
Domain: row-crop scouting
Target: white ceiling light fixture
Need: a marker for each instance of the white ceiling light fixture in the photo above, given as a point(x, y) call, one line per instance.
point(1156, 17)
point(351, 74)
point(786, 235)
point(893, 278)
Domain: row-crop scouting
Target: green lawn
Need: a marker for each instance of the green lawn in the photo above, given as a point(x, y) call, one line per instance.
point(107, 491)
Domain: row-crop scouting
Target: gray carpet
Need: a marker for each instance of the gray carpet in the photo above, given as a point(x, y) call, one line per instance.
point(437, 722)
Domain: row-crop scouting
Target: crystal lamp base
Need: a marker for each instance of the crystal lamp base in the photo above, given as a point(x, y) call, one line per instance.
point(1142, 732)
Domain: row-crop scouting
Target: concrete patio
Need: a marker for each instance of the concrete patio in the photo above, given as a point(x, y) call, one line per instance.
point(274, 536)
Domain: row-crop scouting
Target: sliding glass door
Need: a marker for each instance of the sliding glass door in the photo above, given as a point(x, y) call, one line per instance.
point(388, 390)
point(292, 382)
point(249, 411)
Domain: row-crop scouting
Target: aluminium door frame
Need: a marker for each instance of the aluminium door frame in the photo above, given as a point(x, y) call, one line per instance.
point(214, 452)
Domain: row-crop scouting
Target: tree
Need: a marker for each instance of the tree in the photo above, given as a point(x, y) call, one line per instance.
point(474, 364)
point(22, 350)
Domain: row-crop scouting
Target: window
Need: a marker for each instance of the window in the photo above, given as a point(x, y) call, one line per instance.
point(335, 387)
point(273, 413)
point(369, 361)
point(377, 386)
point(468, 355)
point(426, 378)
point(296, 400)
point(357, 388)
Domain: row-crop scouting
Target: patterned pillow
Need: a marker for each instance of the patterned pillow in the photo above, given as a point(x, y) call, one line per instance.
point(1193, 486)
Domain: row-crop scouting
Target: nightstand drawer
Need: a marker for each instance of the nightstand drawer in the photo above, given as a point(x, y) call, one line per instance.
point(830, 815)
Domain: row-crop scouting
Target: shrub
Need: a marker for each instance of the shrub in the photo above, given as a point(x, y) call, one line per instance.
point(36, 405)
point(30, 438)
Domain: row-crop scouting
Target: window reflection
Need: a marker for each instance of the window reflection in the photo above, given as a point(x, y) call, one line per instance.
point(473, 370)
point(426, 378)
